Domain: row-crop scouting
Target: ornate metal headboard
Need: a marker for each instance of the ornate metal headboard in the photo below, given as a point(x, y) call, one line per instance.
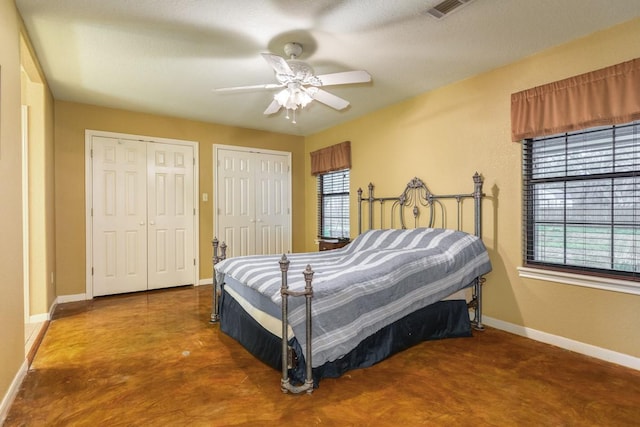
point(417, 198)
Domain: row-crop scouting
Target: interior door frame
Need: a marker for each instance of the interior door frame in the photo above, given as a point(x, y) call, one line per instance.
point(216, 148)
point(88, 177)
point(26, 267)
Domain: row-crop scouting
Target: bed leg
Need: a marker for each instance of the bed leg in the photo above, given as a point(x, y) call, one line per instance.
point(285, 384)
point(215, 303)
point(477, 304)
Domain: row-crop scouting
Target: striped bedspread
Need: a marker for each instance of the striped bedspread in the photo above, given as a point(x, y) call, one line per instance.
point(380, 277)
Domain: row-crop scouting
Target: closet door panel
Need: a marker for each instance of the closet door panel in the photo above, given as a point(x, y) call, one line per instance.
point(119, 232)
point(272, 210)
point(236, 202)
point(171, 215)
point(252, 201)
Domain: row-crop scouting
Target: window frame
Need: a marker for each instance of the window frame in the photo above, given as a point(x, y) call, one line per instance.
point(321, 197)
point(583, 275)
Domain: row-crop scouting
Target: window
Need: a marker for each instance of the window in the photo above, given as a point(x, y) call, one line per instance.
point(333, 204)
point(582, 201)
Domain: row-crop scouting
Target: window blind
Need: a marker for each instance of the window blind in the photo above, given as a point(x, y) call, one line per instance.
point(582, 201)
point(333, 205)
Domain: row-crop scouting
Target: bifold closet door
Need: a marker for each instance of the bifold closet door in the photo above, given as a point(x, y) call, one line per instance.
point(253, 213)
point(170, 212)
point(119, 216)
point(235, 191)
point(271, 175)
point(143, 215)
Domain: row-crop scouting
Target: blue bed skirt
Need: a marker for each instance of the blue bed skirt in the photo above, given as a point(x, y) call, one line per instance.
point(444, 319)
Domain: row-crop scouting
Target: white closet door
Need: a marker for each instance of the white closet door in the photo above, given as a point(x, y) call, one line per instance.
point(119, 216)
point(236, 202)
point(170, 211)
point(272, 204)
point(253, 214)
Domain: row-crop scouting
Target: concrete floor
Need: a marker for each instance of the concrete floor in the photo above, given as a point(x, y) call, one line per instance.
point(152, 359)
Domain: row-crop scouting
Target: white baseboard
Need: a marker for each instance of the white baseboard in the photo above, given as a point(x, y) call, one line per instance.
point(12, 392)
point(44, 317)
point(566, 343)
point(208, 281)
point(71, 298)
point(39, 318)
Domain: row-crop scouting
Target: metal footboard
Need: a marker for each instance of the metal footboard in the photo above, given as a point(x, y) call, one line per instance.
point(285, 384)
point(219, 254)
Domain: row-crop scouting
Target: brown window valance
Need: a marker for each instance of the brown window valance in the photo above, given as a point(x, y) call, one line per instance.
point(331, 158)
point(603, 97)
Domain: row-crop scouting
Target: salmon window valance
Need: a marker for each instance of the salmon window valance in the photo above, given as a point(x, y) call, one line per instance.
point(603, 97)
point(333, 158)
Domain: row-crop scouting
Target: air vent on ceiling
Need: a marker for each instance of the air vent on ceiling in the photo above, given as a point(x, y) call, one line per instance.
point(445, 7)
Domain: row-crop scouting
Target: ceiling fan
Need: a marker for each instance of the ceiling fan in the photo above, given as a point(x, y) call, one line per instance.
point(300, 85)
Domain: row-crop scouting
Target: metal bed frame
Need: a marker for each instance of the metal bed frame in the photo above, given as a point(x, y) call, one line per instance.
point(415, 196)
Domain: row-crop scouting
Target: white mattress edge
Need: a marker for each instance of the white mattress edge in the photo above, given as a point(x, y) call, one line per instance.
point(269, 322)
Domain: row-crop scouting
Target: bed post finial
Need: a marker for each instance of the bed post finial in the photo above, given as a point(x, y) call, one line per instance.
point(223, 251)
point(308, 276)
point(478, 179)
point(215, 242)
point(284, 263)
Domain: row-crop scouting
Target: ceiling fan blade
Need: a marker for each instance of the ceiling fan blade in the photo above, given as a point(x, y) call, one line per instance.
point(278, 63)
point(346, 77)
point(328, 98)
point(236, 88)
point(274, 107)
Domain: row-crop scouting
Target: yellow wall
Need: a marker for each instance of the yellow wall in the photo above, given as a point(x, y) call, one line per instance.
point(21, 82)
point(73, 119)
point(11, 288)
point(444, 136)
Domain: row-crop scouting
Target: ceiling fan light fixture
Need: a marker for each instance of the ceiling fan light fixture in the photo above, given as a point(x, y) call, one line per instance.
point(292, 98)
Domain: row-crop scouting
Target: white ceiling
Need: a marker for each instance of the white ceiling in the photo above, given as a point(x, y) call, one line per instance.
point(166, 56)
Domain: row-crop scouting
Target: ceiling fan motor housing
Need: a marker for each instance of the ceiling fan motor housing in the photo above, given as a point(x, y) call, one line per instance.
point(301, 73)
point(293, 50)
